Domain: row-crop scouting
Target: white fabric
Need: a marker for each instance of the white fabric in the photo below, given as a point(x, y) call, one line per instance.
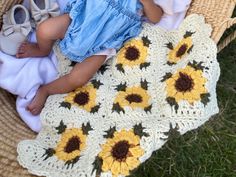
point(22, 77)
point(174, 12)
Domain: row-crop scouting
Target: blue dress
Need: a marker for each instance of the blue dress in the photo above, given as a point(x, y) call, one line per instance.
point(97, 25)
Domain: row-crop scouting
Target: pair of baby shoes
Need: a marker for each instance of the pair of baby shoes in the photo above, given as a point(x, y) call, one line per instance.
point(17, 23)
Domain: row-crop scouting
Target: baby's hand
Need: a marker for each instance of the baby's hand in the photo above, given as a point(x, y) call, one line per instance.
point(152, 11)
point(146, 1)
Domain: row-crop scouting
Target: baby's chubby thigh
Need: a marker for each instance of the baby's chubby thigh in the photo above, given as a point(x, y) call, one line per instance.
point(54, 28)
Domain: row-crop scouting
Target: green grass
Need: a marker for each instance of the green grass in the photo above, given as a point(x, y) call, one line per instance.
point(209, 151)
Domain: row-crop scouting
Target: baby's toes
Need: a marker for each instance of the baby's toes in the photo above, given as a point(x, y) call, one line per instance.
point(21, 55)
point(35, 111)
point(21, 50)
point(29, 108)
point(24, 45)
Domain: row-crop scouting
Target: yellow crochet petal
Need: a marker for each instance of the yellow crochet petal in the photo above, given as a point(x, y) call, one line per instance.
point(179, 96)
point(115, 168)
point(105, 153)
point(132, 162)
point(124, 169)
point(136, 151)
point(107, 163)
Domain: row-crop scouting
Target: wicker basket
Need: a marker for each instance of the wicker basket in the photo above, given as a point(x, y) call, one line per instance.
point(13, 130)
point(217, 13)
point(5, 5)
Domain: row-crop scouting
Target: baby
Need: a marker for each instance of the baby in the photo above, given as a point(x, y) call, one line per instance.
point(88, 31)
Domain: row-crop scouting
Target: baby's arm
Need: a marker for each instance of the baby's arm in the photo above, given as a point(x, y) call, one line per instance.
point(152, 11)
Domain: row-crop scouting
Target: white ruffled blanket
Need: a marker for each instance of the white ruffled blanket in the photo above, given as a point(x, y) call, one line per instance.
point(22, 77)
point(159, 83)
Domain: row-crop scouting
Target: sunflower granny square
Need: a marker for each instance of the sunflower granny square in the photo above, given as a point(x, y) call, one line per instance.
point(159, 83)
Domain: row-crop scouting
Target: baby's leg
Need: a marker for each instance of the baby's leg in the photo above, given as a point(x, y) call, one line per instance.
point(79, 76)
point(47, 32)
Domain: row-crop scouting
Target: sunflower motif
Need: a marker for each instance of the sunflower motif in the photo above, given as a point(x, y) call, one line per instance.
point(134, 97)
point(72, 142)
point(133, 53)
point(187, 84)
point(120, 154)
point(70, 145)
point(84, 97)
point(181, 49)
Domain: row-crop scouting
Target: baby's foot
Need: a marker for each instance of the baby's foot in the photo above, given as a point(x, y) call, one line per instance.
point(36, 106)
point(29, 50)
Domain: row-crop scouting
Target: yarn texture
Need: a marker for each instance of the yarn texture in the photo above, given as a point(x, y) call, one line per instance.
point(159, 84)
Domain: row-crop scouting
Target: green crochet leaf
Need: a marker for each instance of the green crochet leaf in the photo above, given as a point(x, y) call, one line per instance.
point(97, 165)
point(205, 98)
point(61, 128)
point(144, 65)
point(146, 41)
point(170, 46)
point(73, 63)
point(95, 109)
point(96, 83)
point(190, 49)
point(170, 63)
point(48, 153)
point(120, 68)
point(70, 163)
point(173, 102)
point(173, 133)
point(188, 34)
point(138, 130)
point(86, 128)
point(103, 69)
point(65, 105)
point(196, 65)
point(144, 84)
point(121, 87)
point(166, 77)
point(116, 107)
point(148, 109)
point(110, 133)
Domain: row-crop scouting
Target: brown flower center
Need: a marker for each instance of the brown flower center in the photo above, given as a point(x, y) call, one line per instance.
point(134, 98)
point(73, 144)
point(182, 50)
point(82, 98)
point(184, 83)
point(132, 53)
point(120, 150)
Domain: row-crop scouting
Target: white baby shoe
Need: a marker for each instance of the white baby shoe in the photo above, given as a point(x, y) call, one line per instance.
point(15, 29)
point(43, 9)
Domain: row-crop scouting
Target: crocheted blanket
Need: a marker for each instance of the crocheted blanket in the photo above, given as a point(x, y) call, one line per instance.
point(159, 83)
